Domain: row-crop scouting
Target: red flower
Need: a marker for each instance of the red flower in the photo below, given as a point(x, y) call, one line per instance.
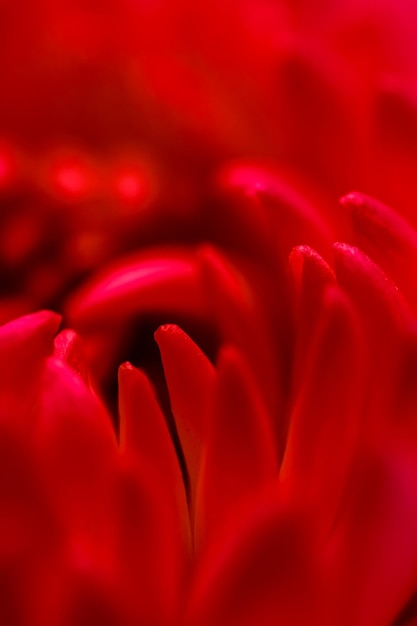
point(257, 463)
point(283, 489)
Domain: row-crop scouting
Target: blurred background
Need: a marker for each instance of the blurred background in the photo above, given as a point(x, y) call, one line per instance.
point(116, 117)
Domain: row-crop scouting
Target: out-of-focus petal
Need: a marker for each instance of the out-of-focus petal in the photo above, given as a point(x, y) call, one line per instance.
point(262, 571)
point(311, 276)
point(236, 304)
point(376, 296)
point(77, 448)
point(325, 421)
point(240, 452)
point(387, 324)
point(374, 545)
point(291, 218)
point(387, 238)
point(80, 590)
point(24, 344)
point(29, 532)
point(149, 545)
point(164, 279)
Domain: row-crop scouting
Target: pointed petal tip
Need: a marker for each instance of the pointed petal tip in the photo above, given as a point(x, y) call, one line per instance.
point(299, 254)
point(346, 257)
point(341, 248)
point(126, 367)
point(305, 263)
point(45, 317)
point(343, 252)
point(129, 375)
point(48, 314)
point(303, 250)
point(125, 373)
point(40, 327)
point(166, 330)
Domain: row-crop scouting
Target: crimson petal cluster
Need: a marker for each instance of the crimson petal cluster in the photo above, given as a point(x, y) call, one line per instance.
point(221, 427)
point(282, 492)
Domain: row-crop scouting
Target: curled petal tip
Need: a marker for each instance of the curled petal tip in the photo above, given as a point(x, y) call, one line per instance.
point(307, 265)
point(69, 349)
point(342, 249)
point(299, 254)
point(166, 329)
point(126, 371)
point(126, 367)
point(40, 326)
point(352, 199)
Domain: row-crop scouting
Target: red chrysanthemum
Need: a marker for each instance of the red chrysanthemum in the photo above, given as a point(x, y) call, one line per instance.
point(169, 176)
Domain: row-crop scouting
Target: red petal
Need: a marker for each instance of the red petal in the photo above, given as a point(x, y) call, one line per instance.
point(387, 238)
point(68, 348)
point(311, 276)
point(377, 298)
point(240, 452)
point(387, 323)
point(162, 279)
point(144, 435)
point(324, 425)
point(373, 551)
point(261, 572)
point(80, 591)
point(291, 219)
point(77, 448)
point(25, 518)
point(24, 344)
point(190, 377)
point(148, 545)
point(243, 316)
point(242, 218)
point(29, 533)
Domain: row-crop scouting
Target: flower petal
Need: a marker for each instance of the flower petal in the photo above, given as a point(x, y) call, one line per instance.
point(387, 238)
point(77, 448)
point(243, 314)
point(160, 279)
point(68, 348)
point(24, 345)
point(291, 219)
point(262, 571)
point(387, 324)
point(311, 276)
point(190, 377)
point(240, 452)
point(374, 546)
point(371, 290)
point(324, 425)
point(144, 435)
point(149, 546)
